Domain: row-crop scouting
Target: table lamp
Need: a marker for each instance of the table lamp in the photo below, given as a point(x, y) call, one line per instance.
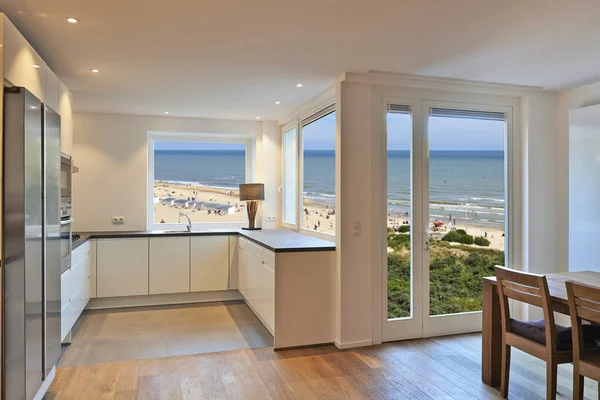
point(251, 193)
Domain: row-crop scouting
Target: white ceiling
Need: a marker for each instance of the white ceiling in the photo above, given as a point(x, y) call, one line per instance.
point(234, 59)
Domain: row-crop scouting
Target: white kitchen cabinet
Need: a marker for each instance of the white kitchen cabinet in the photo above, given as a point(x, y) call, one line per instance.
point(242, 274)
point(91, 271)
point(169, 265)
point(209, 263)
point(233, 262)
point(122, 267)
point(16, 55)
point(36, 79)
point(75, 292)
point(51, 90)
point(268, 289)
point(65, 103)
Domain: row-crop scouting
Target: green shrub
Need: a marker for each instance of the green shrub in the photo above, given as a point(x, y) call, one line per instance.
point(458, 237)
point(461, 231)
point(481, 241)
point(452, 236)
point(404, 229)
point(398, 241)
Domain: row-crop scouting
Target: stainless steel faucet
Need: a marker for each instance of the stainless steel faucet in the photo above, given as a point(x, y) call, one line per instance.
point(189, 227)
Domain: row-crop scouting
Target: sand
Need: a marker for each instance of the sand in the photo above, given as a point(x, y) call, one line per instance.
point(318, 217)
point(170, 214)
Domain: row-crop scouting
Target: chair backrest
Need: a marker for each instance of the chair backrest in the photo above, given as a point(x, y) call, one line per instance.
point(527, 288)
point(584, 303)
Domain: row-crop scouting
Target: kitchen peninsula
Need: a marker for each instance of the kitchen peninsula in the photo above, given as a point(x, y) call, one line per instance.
point(286, 278)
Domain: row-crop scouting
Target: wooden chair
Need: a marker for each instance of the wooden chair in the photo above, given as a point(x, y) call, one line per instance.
point(584, 304)
point(536, 338)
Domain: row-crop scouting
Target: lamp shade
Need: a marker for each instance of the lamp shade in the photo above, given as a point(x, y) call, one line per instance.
point(252, 191)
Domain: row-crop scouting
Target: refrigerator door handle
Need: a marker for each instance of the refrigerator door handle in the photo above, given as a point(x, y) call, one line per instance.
point(67, 221)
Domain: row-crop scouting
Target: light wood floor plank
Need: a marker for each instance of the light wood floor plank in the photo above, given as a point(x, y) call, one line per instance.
point(445, 368)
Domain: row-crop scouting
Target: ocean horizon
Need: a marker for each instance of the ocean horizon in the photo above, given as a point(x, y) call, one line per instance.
point(464, 184)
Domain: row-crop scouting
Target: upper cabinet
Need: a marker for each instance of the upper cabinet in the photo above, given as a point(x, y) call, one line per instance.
point(51, 92)
point(65, 102)
point(16, 55)
point(23, 66)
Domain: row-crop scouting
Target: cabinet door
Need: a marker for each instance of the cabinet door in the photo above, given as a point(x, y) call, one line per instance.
point(242, 274)
point(254, 272)
point(268, 289)
point(122, 267)
point(36, 81)
point(16, 55)
point(51, 90)
point(65, 110)
point(233, 262)
point(169, 265)
point(209, 263)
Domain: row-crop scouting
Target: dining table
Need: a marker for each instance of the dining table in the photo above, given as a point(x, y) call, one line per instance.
point(491, 341)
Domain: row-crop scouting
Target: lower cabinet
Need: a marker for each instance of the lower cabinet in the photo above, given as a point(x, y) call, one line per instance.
point(256, 280)
point(75, 287)
point(122, 267)
point(209, 263)
point(169, 265)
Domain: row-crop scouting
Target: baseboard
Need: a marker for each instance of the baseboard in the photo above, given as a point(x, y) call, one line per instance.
point(45, 385)
point(163, 299)
point(350, 345)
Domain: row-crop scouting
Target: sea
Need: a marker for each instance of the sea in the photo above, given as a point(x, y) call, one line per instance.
point(463, 184)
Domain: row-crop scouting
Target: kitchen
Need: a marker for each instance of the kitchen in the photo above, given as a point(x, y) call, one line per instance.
point(126, 288)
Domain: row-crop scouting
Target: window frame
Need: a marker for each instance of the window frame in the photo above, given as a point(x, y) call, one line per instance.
point(318, 113)
point(285, 129)
point(192, 137)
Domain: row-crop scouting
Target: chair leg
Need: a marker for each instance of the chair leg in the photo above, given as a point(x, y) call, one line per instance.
point(578, 384)
point(505, 371)
point(551, 376)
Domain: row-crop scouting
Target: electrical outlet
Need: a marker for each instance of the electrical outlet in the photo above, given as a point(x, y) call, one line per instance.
point(118, 220)
point(271, 218)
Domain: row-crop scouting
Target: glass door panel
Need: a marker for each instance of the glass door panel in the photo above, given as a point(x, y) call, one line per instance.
point(466, 191)
point(404, 216)
point(399, 211)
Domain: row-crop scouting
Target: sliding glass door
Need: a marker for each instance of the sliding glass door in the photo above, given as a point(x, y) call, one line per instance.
point(446, 202)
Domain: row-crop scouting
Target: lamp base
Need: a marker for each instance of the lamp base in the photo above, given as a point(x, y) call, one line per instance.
point(252, 229)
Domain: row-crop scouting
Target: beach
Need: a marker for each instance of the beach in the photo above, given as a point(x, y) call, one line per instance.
point(170, 214)
point(318, 216)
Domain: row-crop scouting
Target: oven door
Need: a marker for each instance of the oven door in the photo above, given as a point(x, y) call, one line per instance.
point(66, 244)
point(65, 178)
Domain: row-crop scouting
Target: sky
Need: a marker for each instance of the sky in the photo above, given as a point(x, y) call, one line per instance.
point(444, 134)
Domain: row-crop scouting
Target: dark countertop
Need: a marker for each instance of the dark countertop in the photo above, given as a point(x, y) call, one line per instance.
point(276, 240)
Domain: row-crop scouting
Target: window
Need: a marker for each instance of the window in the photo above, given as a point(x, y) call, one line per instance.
point(290, 176)
point(198, 179)
point(310, 205)
point(318, 172)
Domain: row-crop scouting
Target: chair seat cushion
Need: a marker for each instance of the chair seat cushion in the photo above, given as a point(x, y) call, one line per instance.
point(536, 331)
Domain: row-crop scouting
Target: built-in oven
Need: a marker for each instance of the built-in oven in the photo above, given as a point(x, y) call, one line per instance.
point(65, 178)
point(66, 233)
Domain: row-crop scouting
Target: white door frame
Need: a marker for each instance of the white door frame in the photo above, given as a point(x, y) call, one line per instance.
point(421, 324)
point(410, 327)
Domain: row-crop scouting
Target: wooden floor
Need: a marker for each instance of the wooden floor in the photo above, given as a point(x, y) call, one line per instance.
point(166, 331)
point(438, 368)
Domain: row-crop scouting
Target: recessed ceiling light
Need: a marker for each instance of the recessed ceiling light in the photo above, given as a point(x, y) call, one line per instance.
point(72, 20)
point(277, 102)
point(166, 113)
point(257, 117)
point(33, 107)
point(299, 85)
point(95, 70)
point(35, 66)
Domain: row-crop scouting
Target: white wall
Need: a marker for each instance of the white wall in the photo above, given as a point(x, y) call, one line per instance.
point(584, 188)
point(112, 155)
point(569, 100)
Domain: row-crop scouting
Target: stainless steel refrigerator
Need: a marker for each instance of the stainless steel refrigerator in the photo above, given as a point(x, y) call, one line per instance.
point(31, 243)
